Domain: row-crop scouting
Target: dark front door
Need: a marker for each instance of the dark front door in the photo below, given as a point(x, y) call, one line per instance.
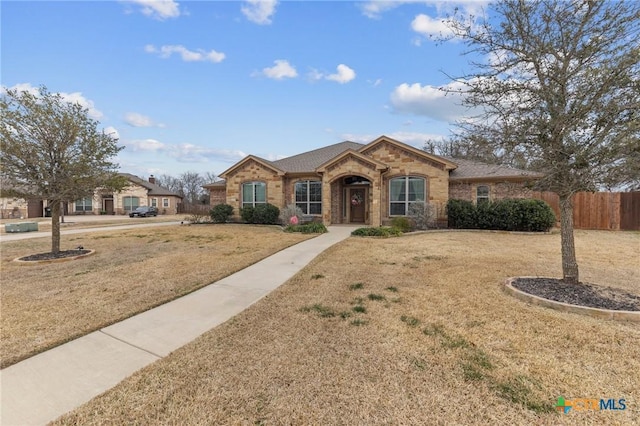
point(357, 203)
point(108, 205)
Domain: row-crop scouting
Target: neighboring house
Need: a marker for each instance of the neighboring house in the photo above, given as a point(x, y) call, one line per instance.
point(138, 193)
point(364, 184)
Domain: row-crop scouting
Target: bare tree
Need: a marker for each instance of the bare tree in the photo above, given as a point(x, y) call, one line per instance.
point(50, 148)
point(559, 85)
point(171, 183)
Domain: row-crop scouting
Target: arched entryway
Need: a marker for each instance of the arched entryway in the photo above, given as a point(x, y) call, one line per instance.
point(352, 200)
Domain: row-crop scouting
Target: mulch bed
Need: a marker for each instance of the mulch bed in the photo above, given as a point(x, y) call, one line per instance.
point(52, 256)
point(582, 294)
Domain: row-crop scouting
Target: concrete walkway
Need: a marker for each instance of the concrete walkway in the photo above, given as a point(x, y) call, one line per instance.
point(43, 387)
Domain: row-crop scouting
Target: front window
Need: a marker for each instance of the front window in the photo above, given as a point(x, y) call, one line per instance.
point(404, 191)
point(154, 202)
point(130, 203)
point(309, 196)
point(165, 202)
point(482, 194)
point(84, 205)
point(254, 193)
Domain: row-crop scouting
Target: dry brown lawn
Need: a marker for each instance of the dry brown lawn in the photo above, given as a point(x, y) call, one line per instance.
point(410, 330)
point(44, 305)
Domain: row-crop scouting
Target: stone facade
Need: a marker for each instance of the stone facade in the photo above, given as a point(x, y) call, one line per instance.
point(350, 171)
point(497, 190)
point(253, 171)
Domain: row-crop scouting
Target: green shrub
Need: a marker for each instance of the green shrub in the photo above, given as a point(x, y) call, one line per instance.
point(460, 214)
point(401, 223)
point(260, 214)
point(309, 228)
point(507, 215)
point(221, 213)
point(382, 231)
point(246, 213)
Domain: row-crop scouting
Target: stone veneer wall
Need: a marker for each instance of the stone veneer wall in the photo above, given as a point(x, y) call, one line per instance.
point(405, 163)
point(217, 195)
point(497, 190)
point(250, 172)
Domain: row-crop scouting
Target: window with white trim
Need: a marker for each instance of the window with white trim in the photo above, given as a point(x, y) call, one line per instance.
point(165, 202)
point(482, 194)
point(254, 193)
point(404, 191)
point(84, 204)
point(154, 202)
point(309, 196)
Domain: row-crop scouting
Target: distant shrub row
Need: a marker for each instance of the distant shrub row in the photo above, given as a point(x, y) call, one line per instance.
point(507, 215)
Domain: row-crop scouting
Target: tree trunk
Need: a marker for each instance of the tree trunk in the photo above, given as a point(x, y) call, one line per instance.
point(569, 263)
point(55, 226)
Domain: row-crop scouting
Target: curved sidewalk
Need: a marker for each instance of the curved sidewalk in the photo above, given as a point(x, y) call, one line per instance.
point(45, 386)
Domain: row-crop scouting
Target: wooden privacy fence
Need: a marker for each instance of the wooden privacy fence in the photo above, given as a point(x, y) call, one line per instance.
point(600, 210)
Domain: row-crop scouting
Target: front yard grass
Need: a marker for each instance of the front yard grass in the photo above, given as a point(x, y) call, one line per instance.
point(442, 345)
point(44, 305)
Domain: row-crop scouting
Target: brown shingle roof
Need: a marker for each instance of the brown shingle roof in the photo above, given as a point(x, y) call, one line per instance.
point(311, 160)
point(468, 169)
point(152, 187)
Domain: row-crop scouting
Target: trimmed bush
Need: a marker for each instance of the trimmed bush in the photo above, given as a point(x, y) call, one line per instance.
point(382, 231)
point(401, 223)
point(309, 228)
point(461, 214)
point(507, 215)
point(263, 214)
point(221, 213)
point(246, 213)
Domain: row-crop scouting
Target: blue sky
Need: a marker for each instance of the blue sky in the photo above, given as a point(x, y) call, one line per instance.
point(196, 86)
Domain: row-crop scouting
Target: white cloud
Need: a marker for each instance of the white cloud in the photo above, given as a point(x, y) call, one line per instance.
point(158, 9)
point(343, 75)
point(72, 98)
point(259, 11)
point(185, 152)
point(145, 145)
point(189, 153)
point(375, 8)
point(431, 101)
point(199, 55)
point(112, 131)
point(282, 69)
point(138, 120)
point(428, 26)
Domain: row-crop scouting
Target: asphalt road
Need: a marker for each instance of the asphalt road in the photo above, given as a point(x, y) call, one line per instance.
point(107, 227)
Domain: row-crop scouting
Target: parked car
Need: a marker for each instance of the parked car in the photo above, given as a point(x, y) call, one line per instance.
point(144, 211)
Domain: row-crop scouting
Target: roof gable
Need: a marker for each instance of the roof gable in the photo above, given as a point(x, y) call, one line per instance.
point(354, 154)
point(265, 163)
point(440, 161)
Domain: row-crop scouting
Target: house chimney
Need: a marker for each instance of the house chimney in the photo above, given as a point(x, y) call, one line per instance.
point(152, 179)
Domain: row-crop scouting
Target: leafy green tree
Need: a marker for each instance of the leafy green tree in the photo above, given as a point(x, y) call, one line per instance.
point(558, 84)
point(51, 149)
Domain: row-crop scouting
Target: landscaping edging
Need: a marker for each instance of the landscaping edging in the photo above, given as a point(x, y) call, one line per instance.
point(62, 259)
point(565, 307)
